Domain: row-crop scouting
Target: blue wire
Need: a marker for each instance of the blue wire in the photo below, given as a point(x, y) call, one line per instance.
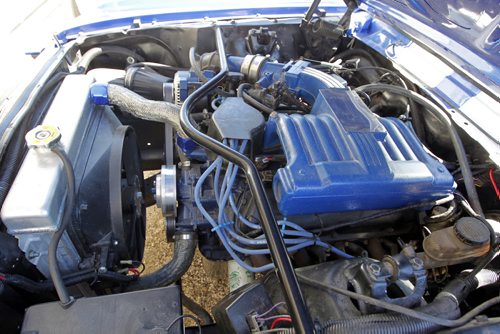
point(229, 180)
point(245, 221)
point(334, 250)
point(217, 176)
point(197, 192)
point(258, 242)
point(301, 231)
point(308, 238)
point(228, 172)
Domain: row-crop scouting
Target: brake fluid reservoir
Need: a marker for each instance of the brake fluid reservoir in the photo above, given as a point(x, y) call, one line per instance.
point(468, 238)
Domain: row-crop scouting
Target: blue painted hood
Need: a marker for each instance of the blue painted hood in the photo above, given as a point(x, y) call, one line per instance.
point(466, 32)
point(98, 15)
point(474, 24)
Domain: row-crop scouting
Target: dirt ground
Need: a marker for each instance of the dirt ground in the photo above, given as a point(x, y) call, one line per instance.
point(205, 289)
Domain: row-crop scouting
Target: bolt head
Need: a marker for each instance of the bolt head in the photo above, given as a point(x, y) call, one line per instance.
point(417, 262)
point(33, 254)
point(374, 268)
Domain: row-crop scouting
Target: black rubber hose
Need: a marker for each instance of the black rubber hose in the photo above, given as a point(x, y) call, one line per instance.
point(444, 306)
point(31, 286)
point(93, 53)
point(455, 138)
point(301, 318)
point(55, 273)
point(198, 310)
point(255, 103)
point(184, 249)
point(417, 117)
point(241, 88)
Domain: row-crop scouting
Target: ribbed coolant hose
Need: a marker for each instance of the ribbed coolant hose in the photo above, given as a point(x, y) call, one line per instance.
point(142, 108)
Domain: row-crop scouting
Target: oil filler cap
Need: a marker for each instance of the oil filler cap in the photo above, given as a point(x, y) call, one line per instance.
point(471, 231)
point(43, 136)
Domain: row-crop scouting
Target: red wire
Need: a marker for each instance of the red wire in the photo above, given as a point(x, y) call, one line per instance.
point(277, 320)
point(492, 179)
point(134, 271)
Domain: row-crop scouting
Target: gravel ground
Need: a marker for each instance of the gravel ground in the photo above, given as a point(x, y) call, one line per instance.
point(205, 289)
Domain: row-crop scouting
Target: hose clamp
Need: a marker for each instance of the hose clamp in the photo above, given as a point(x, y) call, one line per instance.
point(185, 236)
point(251, 66)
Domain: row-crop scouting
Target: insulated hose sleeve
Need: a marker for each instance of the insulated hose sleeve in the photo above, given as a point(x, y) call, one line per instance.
point(184, 249)
point(142, 108)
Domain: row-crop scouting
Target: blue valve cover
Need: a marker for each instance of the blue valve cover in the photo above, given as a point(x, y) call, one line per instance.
point(342, 157)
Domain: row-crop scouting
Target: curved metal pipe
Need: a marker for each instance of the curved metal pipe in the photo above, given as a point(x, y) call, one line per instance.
point(300, 315)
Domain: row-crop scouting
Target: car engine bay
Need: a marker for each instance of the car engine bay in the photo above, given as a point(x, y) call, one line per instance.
point(345, 196)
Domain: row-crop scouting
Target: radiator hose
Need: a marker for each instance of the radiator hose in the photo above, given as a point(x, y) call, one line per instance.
point(90, 55)
point(445, 307)
point(184, 248)
point(140, 107)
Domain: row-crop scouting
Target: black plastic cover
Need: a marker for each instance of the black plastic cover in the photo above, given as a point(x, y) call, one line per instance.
point(147, 311)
